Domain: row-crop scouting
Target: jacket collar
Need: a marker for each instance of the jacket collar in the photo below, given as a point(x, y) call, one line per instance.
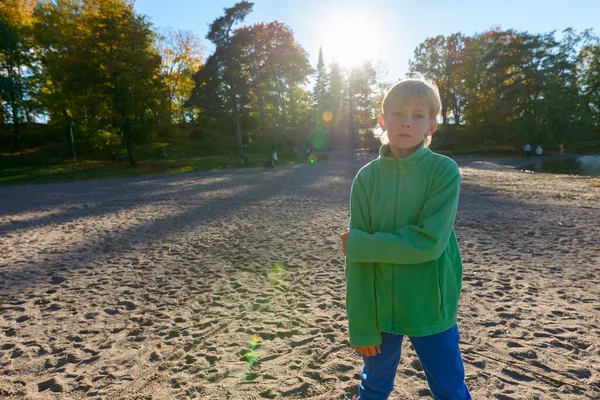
point(386, 159)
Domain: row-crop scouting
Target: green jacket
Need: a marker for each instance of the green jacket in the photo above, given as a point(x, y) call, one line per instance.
point(403, 265)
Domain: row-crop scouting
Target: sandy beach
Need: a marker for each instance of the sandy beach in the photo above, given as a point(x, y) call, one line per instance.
point(230, 285)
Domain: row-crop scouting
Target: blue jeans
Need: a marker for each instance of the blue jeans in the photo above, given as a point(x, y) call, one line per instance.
point(439, 355)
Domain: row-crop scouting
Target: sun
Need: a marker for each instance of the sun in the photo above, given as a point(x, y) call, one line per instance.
point(350, 40)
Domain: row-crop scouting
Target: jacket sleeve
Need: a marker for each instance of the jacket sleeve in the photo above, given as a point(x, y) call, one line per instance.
point(360, 279)
point(418, 243)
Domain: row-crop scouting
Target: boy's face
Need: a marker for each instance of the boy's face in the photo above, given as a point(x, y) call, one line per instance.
point(407, 125)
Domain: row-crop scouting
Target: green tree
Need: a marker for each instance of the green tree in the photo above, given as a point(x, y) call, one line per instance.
point(99, 69)
point(60, 67)
point(290, 68)
point(336, 90)
point(589, 76)
point(16, 18)
point(319, 94)
point(223, 75)
point(126, 68)
point(359, 99)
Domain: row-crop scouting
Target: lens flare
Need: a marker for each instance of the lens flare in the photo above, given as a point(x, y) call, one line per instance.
point(251, 355)
point(319, 138)
point(312, 159)
point(327, 116)
point(277, 274)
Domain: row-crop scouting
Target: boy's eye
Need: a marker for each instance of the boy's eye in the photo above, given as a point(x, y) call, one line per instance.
point(418, 116)
point(397, 114)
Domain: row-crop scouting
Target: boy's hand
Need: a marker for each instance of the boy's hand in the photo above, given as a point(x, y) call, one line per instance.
point(368, 351)
point(344, 237)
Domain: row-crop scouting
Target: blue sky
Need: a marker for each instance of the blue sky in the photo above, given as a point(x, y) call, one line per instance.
point(385, 30)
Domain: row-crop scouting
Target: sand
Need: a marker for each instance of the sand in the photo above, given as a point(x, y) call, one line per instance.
point(230, 285)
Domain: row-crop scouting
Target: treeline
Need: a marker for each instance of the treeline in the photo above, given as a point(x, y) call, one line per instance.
point(102, 70)
point(510, 87)
point(98, 68)
point(254, 84)
point(92, 66)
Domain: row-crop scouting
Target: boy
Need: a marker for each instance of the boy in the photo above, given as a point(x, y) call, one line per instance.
point(403, 265)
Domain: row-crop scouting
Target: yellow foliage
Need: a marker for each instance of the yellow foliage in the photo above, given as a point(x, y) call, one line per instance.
point(17, 12)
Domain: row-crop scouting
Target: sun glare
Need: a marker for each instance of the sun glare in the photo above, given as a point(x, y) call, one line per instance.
point(351, 39)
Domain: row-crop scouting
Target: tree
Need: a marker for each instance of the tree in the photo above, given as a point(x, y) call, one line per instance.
point(589, 75)
point(438, 59)
point(61, 69)
point(276, 65)
point(16, 18)
point(360, 103)
point(289, 66)
point(98, 68)
point(222, 75)
point(181, 55)
point(319, 94)
point(336, 90)
point(125, 68)
point(255, 75)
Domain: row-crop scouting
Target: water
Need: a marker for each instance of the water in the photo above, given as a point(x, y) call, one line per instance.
point(582, 165)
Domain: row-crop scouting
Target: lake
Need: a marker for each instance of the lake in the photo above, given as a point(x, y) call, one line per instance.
point(583, 165)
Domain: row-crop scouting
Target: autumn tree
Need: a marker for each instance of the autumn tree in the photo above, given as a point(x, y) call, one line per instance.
point(439, 59)
point(276, 66)
point(125, 67)
point(61, 70)
point(254, 77)
point(100, 69)
point(181, 55)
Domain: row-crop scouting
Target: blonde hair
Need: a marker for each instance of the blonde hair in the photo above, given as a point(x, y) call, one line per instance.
point(407, 91)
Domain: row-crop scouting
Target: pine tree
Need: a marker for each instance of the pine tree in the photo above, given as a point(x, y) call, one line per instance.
point(319, 95)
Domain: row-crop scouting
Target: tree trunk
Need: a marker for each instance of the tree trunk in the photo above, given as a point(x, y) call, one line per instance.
point(17, 135)
point(16, 126)
point(129, 142)
point(281, 101)
point(444, 114)
point(351, 118)
point(238, 130)
point(132, 160)
point(294, 108)
point(261, 109)
point(475, 118)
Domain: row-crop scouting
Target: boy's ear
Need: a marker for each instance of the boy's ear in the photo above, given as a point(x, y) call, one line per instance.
point(432, 127)
point(381, 122)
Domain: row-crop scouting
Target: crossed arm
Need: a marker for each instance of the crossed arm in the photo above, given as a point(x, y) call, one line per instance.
point(411, 244)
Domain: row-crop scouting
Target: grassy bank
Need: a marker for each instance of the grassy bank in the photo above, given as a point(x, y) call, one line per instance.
point(47, 162)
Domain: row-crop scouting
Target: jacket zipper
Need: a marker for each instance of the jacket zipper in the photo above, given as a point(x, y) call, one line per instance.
point(393, 266)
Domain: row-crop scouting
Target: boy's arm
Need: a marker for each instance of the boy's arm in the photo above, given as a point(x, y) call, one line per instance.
point(360, 280)
point(418, 243)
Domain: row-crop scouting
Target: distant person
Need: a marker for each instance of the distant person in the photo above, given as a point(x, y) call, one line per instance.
point(561, 149)
point(308, 154)
point(274, 157)
point(527, 149)
point(539, 151)
point(403, 265)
